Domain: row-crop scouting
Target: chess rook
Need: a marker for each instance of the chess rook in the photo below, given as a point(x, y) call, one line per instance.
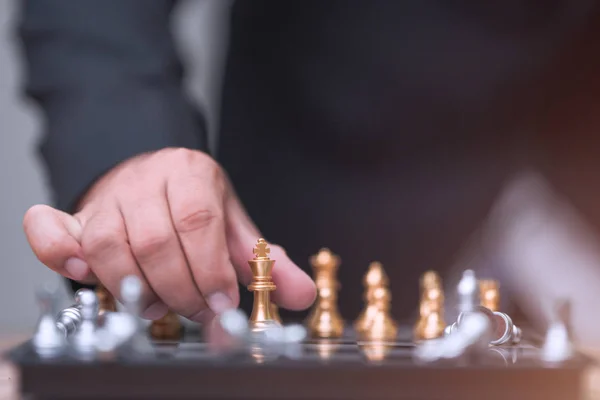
point(325, 320)
point(262, 285)
point(430, 324)
point(489, 294)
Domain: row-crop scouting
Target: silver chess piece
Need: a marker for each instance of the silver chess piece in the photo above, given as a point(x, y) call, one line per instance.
point(131, 295)
point(84, 338)
point(69, 319)
point(48, 340)
point(468, 292)
point(557, 346)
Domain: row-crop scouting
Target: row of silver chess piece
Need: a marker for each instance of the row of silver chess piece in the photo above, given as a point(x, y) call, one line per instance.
point(80, 331)
point(77, 330)
point(477, 328)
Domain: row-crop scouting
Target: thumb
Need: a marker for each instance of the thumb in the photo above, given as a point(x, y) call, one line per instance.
point(55, 237)
point(295, 289)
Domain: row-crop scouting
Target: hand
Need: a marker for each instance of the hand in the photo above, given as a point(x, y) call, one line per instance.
point(172, 219)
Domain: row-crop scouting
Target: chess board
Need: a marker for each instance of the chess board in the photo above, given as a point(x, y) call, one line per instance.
point(315, 369)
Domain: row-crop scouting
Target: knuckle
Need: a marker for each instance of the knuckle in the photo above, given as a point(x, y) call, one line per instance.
point(150, 246)
point(100, 241)
point(33, 213)
point(194, 219)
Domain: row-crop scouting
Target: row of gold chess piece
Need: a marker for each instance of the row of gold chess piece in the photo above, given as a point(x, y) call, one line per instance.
point(375, 322)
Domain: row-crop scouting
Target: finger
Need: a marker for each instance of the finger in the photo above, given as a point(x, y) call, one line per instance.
point(54, 237)
point(106, 249)
point(295, 289)
point(157, 250)
point(196, 204)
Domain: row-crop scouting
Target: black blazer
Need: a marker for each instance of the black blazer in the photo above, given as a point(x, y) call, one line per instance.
point(381, 129)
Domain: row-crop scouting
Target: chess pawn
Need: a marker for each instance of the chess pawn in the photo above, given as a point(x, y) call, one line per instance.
point(262, 285)
point(431, 322)
point(84, 338)
point(325, 320)
point(374, 278)
point(382, 327)
point(468, 293)
point(106, 301)
point(166, 328)
point(48, 340)
point(489, 294)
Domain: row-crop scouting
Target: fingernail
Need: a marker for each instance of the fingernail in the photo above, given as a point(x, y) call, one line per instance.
point(77, 268)
point(155, 311)
point(219, 302)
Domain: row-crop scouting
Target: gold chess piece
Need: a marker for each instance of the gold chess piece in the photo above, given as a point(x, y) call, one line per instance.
point(373, 279)
point(325, 320)
point(166, 328)
point(275, 313)
point(430, 324)
point(106, 301)
point(489, 294)
point(262, 285)
point(382, 328)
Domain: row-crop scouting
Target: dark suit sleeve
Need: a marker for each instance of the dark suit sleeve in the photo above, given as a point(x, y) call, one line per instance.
point(108, 80)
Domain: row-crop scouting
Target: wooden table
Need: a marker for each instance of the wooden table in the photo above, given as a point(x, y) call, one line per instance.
point(9, 376)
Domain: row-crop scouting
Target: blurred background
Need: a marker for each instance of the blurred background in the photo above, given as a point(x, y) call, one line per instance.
point(200, 28)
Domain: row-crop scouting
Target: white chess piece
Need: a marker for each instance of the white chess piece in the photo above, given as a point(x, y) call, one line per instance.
point(468, 292)
point(84, 338)
point(557, 346)
point(131, 294)
point(48, 340)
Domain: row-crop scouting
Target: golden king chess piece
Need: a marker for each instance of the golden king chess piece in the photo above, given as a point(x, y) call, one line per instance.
point(373, 279)
point(106, 301)
point(489, 294)
point(166, 328)
point(325, 320)
point(430, 324)
point(382, 328)
point(262, 285)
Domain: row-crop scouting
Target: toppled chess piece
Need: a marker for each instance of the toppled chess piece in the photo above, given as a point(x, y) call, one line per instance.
point(168, 327)
point(557, 346)
point(373, 279)
point(489, 294)
point(84, 338)
point(472, 336)
point(504, 331)
point(430, 324)
point(325, 320)
point(262, 285)
point(69, 319)
point(48, 340)
point(382, 327)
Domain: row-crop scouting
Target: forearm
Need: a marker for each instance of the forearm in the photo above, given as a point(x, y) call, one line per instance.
point(549, 252)
point(108, 81)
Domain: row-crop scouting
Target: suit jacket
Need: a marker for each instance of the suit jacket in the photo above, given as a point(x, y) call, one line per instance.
point(383, 130)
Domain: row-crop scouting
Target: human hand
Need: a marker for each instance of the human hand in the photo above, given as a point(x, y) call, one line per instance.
point(172, 219)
